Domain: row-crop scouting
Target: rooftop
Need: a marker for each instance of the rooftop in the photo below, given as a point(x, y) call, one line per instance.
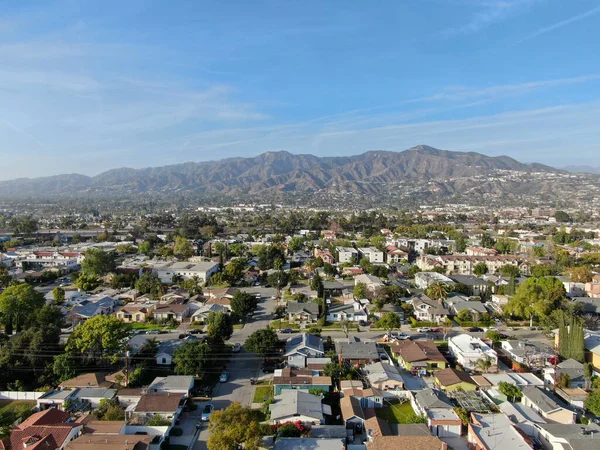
point(497, 432)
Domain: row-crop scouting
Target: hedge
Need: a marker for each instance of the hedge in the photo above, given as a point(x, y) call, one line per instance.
point(414, 323)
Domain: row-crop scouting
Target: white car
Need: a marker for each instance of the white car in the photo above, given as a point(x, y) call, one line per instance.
point(424, 330)
point(206, 412)
point(224, 377)
point(237, 347)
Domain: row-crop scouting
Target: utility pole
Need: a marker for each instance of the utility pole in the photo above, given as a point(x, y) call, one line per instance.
point(127, 368)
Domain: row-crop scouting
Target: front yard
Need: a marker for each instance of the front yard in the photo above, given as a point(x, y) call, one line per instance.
point(11, 410)
point(397, 413)
point(261, 392)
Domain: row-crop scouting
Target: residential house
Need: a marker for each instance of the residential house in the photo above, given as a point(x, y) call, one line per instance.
point(428, 398)
point(464, 264)
point(92, 396)
point(352, 412)
point(369, 398)
point(202, 270)
point(520, 380)
point(591, 342)
point(347, 255)
point(522, 416)
point(406, 443)
point(453, 380)
point(55, 399)
point(312, 443)
point(496, 432)
point(92, 307)
point(556, 436)
point(444, 422)
point(429, 310)
point(575, 397)
point(49, 429)
point(357, 353)
point(572, 288)
point(589, 305)
point(475, 285)
point(164, 404)
point(592, 289)
point(174, 384)
point(458, 303)
point(394, 255)
point(353, 312)
point(544, 403)
point(92, 379)
point(299, 348)
point(300, 379)
point(371, 253)
point(176, 312)
point(531, 354)
point(166, 350)
point(133, 313)
point(295, 405)
point(425, 279)
point(468, 349)
point(325, 255)
point(111, 442)
point(201, 314)
point(480, 251)
point(302, 311)
point(420, 357)
point(130, 396)
point(371, 281)
point(570, 367)
point(383, 376)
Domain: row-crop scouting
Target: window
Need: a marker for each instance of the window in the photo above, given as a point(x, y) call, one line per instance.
point(164, 360)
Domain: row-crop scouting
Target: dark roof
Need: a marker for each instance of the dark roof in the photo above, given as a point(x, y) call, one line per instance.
point(412, 351)
point(357, 350)
point(159, 402)
point(296, 307)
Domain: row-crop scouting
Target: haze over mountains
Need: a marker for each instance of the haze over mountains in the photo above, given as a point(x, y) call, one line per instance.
point(418, 172)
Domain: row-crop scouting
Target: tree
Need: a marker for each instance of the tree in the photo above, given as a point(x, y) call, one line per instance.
point(510, 390)
point(571, 336)
point(193, 285)
point(145, 248)
point(278, 279)
point(234, 271)
point(389, 322)
point(561, 216)
point(193, 358)
point(87, 282)
point(149, 284)
point(581, 274)
point(262, 342)
point(480, 269)
point(97, 262)
point(588, 373)
point(233, 428)
point(333, 370)
point(563, 381)
point(506, 245)
point(242, 303)
point(464, 315)
point(17, 303)
point(5, 277)
point(103, 337)
point(295, 244)
point(487, 241)
point(182, 248)
point(64, 366)
point(59, 295)
point(437, 291)
point(219, 326)
point(317, 285)
point(536, 297)
point(360, 291)
point(493, 335)
point(510, 271)
point(484, 363)
point(463, 414)
point(592, 403)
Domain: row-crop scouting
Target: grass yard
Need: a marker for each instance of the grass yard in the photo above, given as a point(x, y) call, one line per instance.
point(11, 410)
point(238, 326)
point(282, 324)
point(397, 413)
point(145, 326)
point(260, 392)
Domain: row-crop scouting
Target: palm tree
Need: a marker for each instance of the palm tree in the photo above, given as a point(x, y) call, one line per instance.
point(437, 291)
point(484, 363)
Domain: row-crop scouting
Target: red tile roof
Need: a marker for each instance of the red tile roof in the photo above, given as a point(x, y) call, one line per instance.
point(43, 430)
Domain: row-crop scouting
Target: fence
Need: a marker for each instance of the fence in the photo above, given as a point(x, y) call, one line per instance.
point(16, 395)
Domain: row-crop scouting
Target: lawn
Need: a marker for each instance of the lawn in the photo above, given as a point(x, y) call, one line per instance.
point(397, 413)
point(11, 410)
point(145, 326)
point(281, 325)
point(260, 392)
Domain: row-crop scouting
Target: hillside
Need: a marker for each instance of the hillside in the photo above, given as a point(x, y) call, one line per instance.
point(421, 172)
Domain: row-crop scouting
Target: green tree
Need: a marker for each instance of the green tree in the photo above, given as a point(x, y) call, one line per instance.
point(5, 277)
point(389, 322)
point(193, 285)
point(464, 315)
point(296, 244)
point(510, 271)
point(182, 248)
point(487, 241)
point(510, 390)
point(219, 326)
point(592, 403)
point(360, 291)
point(480, 269)
point(333, 370)
point(493, 335)
point(103, 337)
point(97, 262)
point(262, 342)
point(484, 363)
point(278, 279)
point(588, 373)
point(536, 297)
point(581, 274)
point(561, 217)
point(437, 291)
point(193, 358)
point(317, 285)
point(506, 245)
point(233, 428)
point(242, 303)
point(234, 271)
point(87, 282)
point(149, 284)
point(64, 366)
point(59, 295)
point(563, 381)
point(463, 414)
point(17, 303)
point(145, 248)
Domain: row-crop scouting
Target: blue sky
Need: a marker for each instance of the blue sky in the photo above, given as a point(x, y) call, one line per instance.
point(90, 86)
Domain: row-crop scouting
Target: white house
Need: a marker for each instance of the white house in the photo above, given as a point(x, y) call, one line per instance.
point(371, 253)
point(347, 254)
point(468, 349)
point(299, 348)
point(428, 310)
point(425, 279)
point(203, 270)
point(354, 312)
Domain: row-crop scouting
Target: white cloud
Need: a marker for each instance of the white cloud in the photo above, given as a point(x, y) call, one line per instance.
point(562, 23)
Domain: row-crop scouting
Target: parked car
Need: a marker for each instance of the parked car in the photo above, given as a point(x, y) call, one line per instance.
point(206, 412)
point(475, 330)
point(437, 330)
point(362, 323)
point(153, 332)
point(268, 368)
point(224, 377)
point(237, 347)
point(196, 331)
point(287, 330)
point(424, 329)
point(384, 357)
point(402, 336)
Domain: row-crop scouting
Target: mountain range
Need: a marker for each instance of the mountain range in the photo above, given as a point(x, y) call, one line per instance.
point(419, 173)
